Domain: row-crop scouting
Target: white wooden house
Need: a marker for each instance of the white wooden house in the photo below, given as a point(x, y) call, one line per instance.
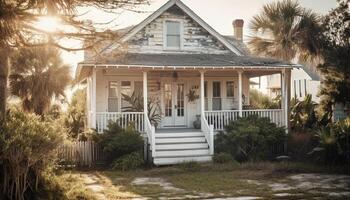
point(169, 54)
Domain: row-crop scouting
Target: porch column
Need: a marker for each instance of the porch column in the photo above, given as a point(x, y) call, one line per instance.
point(285, 87)
point(240, 93)
point(93, 100)
point(145, 94)
point(202, 93)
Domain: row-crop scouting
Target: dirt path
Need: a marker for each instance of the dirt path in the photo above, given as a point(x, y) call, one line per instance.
point(93, 183)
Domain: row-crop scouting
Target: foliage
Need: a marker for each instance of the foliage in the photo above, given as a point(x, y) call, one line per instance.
point(38, 74)
point(75, 116)
point(285, 30)
point(28, 147)
point(304, 115)
point(260, 101)
point(250, 138)
point(129, 162)
point(335, 69)
point(222, 158)
point(117, 142)
point(135, 101)
point(334, 143)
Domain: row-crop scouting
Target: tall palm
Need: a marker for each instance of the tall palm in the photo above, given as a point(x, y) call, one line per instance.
point(285, 30)
point(37, 76)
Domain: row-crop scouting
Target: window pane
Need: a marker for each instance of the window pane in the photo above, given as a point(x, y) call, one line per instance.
point(216, 89)
point(173, 40)
point(113, 89)
point(138, 88)
point(229, 89)
point(125, 89)
point(205, 89)
point(216, 103)
point(173, 28)
point(112, 105)
point(168, 100)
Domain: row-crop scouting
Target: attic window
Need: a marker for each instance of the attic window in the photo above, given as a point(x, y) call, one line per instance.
point(173, 34)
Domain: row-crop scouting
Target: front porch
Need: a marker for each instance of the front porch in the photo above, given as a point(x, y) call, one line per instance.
point(211, 97)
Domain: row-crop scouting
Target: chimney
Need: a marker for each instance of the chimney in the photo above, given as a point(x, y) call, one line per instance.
point(238, 29)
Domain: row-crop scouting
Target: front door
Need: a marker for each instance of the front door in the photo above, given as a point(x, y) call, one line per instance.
point(174, 104)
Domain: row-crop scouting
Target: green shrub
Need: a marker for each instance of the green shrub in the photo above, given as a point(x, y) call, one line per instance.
point(129, 162)
point(190, 165)
point(223, 158)
point(117, 142)
point(333, 143)
point(27, 150)
point(250, 138)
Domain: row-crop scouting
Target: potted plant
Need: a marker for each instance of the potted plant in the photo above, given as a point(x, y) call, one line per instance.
point(197, 123)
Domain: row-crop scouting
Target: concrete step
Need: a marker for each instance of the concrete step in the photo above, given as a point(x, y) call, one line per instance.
point(178, 160)
point(180, 153)
point(177, 135)
point(180, 140)
point(182, 146)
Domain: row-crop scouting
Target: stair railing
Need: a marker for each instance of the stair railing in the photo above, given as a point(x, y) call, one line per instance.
point(151, 135)
point(208, 131)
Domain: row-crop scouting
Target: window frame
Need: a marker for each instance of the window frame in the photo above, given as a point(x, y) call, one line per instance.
point(233, 89)
point(165, 34)
point(117, 97)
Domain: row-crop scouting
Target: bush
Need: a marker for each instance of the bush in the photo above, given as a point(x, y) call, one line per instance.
point(27, 149)
point(333, 144)
point(117, 142)
point(223, 158)
point(250, 138)
point(129, 162)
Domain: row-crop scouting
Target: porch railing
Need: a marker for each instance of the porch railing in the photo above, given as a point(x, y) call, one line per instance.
point(220, 118)
point(208, 131)
point(124, 119)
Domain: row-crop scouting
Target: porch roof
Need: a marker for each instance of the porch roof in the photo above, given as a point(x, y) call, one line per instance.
point(198, 60)
point(184, 61)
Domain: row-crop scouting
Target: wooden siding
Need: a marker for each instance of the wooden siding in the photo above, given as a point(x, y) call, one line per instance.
point(195, 38)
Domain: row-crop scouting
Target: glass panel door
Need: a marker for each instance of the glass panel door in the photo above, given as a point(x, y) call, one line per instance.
point(216, 95)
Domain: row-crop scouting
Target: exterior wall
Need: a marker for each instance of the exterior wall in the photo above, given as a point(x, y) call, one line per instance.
point(195, 39)
point(191, 79)
point(301, 85)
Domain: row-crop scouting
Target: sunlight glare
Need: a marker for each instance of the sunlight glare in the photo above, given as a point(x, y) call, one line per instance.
point(48, 24)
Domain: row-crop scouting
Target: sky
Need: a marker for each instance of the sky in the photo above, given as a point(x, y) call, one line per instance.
point(217, 13)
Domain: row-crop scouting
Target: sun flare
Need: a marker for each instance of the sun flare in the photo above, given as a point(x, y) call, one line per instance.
point(48, 24)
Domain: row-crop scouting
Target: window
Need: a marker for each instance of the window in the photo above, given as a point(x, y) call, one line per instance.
point(205, 89)
point(126, 90)
point(216, 96)
point(138, 88)
point(173, 37)
point(113, 97)
point(230, 89)
point(168, 100)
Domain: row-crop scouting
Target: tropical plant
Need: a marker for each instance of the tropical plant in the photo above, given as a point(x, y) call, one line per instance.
point(250, 138)
point(304, 115)
point(333, 143)
point(260, 101)
point(335, 85)
point(18, 28)
point(38, 74)
point(135, 102)
point(285, 30)
point(27, 148)
point(75, 117)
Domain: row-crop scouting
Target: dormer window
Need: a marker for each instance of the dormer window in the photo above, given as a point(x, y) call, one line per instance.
point(173, 35)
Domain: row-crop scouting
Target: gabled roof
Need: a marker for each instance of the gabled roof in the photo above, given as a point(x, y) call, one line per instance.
point(186, 10)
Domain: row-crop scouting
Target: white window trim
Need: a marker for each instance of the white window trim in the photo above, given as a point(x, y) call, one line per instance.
point(165, 45)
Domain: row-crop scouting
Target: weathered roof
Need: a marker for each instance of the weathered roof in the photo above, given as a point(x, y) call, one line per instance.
point(196, 60)
point(238, 44)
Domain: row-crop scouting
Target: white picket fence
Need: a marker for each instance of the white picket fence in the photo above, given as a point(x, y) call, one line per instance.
point(81, 153)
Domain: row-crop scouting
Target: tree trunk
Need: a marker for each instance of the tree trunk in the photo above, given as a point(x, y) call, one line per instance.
point(4, 72)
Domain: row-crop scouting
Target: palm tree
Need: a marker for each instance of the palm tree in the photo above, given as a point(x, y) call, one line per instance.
point(285, 30)
point(37, 76)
